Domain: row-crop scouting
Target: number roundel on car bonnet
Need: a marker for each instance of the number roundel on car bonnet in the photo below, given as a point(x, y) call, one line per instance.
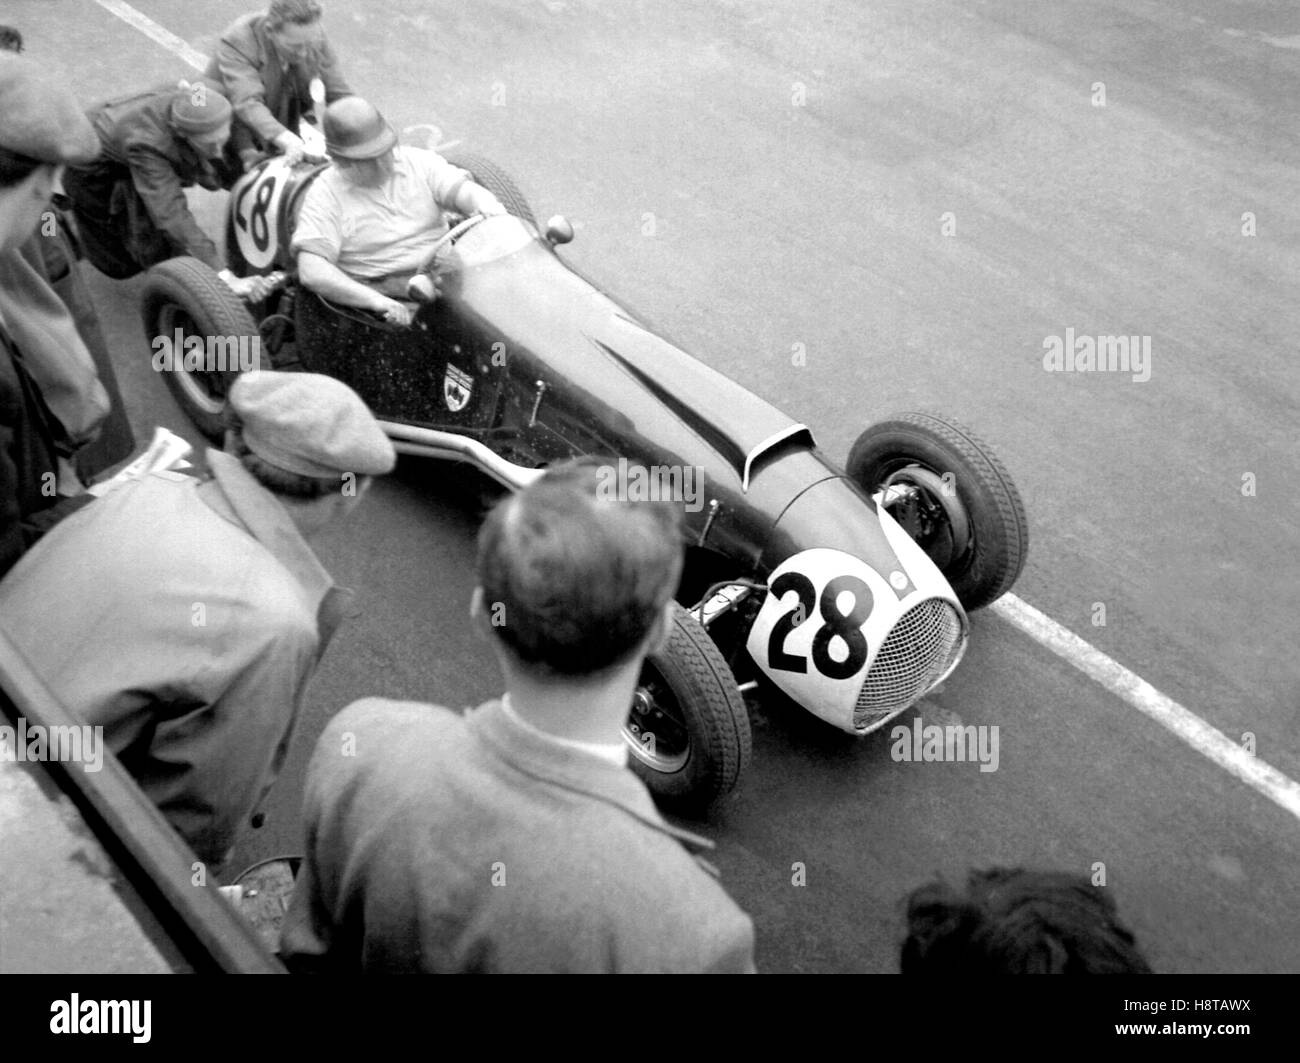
point(823, 620)
point(255, 206)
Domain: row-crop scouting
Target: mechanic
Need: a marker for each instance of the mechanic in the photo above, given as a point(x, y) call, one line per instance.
point(370, 222)
point(187, 617)
point(130, 204)
point(1015, 921)
point(265, 63)
point(41, 129)
point(515, 838)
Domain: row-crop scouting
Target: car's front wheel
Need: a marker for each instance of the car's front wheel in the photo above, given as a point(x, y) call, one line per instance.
point(952, 495)
point(688, 729)
point(202, 337)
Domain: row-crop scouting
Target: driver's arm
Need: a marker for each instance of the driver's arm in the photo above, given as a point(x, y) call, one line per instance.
point(327, 280)
point(473, 198)
point(452, 187)
point(317, 241)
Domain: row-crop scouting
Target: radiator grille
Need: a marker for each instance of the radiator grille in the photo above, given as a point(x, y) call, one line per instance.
point(918, 650)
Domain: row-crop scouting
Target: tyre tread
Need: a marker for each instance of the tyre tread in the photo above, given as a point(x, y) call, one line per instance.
point(699, 665)
point(994, 480)
point(495, 180)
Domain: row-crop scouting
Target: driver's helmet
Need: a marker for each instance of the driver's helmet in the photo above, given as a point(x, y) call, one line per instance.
point(354, 129)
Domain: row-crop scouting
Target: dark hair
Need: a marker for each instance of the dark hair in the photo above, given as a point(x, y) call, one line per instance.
point(1012, 921)
point(272, 477)
point(299, 12)
point(11, 40)
point(577, 578)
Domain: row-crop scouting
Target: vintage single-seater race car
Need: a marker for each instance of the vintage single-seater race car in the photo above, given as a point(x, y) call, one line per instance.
point(844, 587)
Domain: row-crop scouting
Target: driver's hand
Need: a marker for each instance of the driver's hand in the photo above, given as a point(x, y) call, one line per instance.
point(492, 207)
point(395, 312)
point(292, 147)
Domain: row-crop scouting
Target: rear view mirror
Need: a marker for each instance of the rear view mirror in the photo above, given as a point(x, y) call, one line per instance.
point(558, 230)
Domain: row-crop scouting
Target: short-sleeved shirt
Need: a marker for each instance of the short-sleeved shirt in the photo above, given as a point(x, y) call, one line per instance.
point(374, 232)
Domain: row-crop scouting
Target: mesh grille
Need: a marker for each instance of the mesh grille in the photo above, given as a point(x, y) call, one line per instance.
point(918, 650)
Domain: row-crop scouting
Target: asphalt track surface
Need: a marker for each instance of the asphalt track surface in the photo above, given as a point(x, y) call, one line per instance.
point(797, 163)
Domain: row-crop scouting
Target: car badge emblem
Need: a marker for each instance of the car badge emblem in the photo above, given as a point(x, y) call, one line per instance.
point(457, 388)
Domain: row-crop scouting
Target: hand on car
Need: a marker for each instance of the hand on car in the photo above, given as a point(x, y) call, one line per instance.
point(292, 147)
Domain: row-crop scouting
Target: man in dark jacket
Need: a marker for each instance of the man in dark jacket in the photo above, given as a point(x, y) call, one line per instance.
point(265, 64)
point(41, 128)
point(45, 267)
point(130, 203)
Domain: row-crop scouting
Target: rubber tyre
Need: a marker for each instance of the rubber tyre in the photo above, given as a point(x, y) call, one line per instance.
point(186, 293)
point(488, 174)
point(703, 694)
point(1000, 531)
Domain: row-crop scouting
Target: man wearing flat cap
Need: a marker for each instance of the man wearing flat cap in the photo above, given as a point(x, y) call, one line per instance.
point(186, 616)
point(57, 327)
point(41, 130)
point(130, 203)
point(370, 221)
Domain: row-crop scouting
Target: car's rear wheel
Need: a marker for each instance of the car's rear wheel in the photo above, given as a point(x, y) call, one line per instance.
point(488, 174)
point(184, 300)
point(952, 495)
point(688, 729)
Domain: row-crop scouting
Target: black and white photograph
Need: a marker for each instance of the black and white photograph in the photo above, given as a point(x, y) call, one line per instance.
point(651, 486)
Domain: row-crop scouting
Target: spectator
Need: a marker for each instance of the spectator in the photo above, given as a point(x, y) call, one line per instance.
point(265, 64)
point(1018, 922)
point(41, 128)
point(64, 344)
point(515, 838)
point(186, 618)
point(130, 204)
point(371, 221)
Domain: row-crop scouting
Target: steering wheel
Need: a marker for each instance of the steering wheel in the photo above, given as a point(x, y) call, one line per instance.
point(454, 233)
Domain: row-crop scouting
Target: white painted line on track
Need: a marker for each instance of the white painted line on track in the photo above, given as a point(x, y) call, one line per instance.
point(1132, 688)
point(1128, 686)
point(155, 32)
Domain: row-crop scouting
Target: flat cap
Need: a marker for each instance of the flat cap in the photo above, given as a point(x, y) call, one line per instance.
point(310, 424)
point(39, 117)
point(200, 107)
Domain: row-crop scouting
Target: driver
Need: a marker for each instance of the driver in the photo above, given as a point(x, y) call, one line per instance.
point(371, 221)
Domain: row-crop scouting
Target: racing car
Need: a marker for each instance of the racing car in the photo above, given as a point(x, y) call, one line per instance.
point(845, 588)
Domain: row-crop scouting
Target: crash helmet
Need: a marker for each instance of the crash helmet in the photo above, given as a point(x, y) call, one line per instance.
point(354, 129)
